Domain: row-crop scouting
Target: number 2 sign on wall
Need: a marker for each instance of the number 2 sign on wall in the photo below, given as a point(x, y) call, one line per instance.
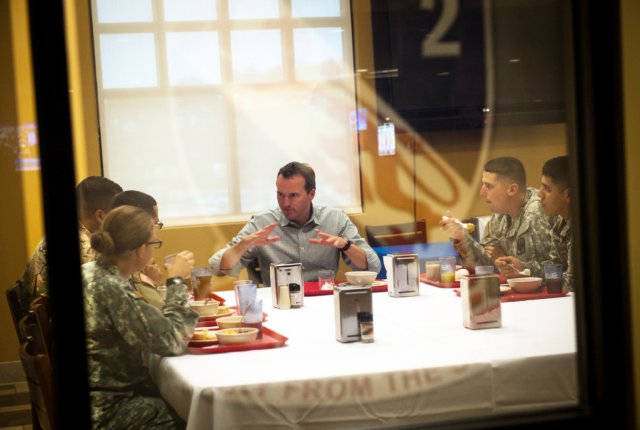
point(438, 50)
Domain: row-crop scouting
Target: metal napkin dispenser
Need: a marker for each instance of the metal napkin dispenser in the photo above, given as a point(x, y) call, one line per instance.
point(403, 274)
point(481, 301)
point(348, 301)
point(284, 274)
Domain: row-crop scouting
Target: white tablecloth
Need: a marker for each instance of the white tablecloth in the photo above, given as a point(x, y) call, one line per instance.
point(423, 366)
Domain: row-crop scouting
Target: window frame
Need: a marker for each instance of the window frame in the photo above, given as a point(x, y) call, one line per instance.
point(604, 324)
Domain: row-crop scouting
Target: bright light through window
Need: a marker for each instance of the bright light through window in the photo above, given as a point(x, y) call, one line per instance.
point(193, 58)
point(203, 102)
point(190, 10)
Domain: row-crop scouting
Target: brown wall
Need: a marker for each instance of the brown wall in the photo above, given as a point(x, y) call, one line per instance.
point(630, 14)
point(21, 216)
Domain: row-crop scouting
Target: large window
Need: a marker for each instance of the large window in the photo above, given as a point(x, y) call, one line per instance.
point(201, 101)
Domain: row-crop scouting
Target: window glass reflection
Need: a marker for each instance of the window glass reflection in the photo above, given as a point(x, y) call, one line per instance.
point(113, 11)
point(267, 118)
point(190, 10)
point(128, 60)
point(162, 168)
point(318, 53)
point(193, 58)
point(254, 9)
point(314, 8)
point(256, 56)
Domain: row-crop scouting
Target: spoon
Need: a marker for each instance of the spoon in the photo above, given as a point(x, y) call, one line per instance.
point(525, 272)
point(470, 227)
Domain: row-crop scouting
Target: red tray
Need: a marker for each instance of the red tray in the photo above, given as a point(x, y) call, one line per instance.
point(312, 288)
point(270, 339)
point(423, 278)
point(518, 297)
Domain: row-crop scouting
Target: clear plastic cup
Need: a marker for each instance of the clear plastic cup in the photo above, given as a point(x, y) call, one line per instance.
point(245, 294)
point(326, 279)
point(253, 316)
point(553, 278)
point(432, 270)
point(201, 283)
point(447, 269)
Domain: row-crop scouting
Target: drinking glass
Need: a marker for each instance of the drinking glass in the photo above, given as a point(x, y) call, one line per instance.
point(553, 278)
point(447, 269)
point(201, 283)
point(326, 279)
point(253, 316)
point(432, 270)
point(245, 294)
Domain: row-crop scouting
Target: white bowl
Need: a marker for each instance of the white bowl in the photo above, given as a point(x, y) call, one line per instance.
point(205, 309)
point(237, 336)
point(361, 277)
point(525, 285)
point(233, 321)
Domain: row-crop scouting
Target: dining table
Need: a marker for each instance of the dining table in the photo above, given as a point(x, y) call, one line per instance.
point(423, 366)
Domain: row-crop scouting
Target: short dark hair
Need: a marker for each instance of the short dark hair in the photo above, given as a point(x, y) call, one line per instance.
point(95, 192)
point(303, 169)
point(557, 169)
point(135, 198)
point(508, 167)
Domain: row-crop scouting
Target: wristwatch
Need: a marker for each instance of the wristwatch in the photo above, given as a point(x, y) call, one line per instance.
point(176, 280)
point(346, 245)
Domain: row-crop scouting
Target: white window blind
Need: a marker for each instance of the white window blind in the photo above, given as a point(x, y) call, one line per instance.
point(202, 101)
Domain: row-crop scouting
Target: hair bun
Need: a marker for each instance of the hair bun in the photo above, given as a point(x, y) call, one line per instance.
point(102, 242)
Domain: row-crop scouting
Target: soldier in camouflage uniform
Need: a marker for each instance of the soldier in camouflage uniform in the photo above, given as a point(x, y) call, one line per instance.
point(122, 329)
point(555, 199)
point(94, 195)
point(518, 226)
point(145, 282)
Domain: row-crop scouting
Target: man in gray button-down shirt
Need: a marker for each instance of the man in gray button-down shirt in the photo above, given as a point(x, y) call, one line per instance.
point(297, 232)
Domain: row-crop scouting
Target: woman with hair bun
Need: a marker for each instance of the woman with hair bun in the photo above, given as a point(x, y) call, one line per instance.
point(122, 329)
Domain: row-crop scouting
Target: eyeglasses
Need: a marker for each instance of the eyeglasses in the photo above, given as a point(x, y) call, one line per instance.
point(155, 243)
point(159, 225)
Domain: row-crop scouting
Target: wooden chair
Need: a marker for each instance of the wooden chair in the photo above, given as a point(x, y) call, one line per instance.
point(397, 234)
point(17, 311)
point(29, 330)
point(42, 310)
point(37, 368)
point(43, 322)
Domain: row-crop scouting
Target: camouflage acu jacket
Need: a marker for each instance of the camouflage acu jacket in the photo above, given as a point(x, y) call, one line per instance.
point(561, 245)
point(122, 329)
point(525, 236)
point(35, 277)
